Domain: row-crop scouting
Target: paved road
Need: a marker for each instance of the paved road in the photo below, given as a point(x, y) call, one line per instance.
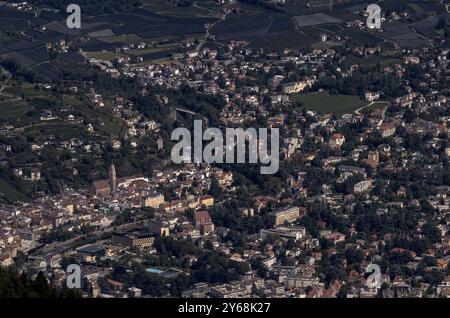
point(358, 111)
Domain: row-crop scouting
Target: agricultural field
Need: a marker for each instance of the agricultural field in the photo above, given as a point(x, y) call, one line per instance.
point(428, 6)
point(278, 41)
point(199, 10)
point(125, 39)
point(150, 50)
point(417, 8)
point(358, 37)
point(314, 32)
point(411, 40)
point(370, 61)
point(299, 7)
point(12, 108)
point(281, 22)
point(425, 27)
point(105, 56)
point(274, 31)
point(112, 127)
point(13, 101)
point(23, 91)
point(58, 129)
point(104, 120)
point(388, 47)
point(321, 45)
point(332, 28)
point(146, 24)
point(159, 54)
point(296, 25)
point(323, 102)
point(242, 24)
point(148, 54)
point(315, 19)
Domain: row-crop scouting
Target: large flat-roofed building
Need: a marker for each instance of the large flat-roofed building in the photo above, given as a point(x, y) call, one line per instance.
point(229, 291)
point(153, 200)
point(295, 233)
point(89, 253)
point(298, 281)
point(133, 239)
point(297, 87)
point(287, 215)
point(362, 186)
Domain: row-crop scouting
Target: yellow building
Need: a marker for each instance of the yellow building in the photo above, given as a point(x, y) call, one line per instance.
point(153, 200)
point(297, 87)
point(207, 200)
point(287, 215)
point(133, 239)
point(70, 208)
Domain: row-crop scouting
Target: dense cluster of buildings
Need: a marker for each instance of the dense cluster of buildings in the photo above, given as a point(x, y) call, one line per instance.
point(346, 165)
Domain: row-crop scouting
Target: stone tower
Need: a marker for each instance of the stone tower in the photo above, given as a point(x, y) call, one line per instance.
point(160, 143)
point(113, 178)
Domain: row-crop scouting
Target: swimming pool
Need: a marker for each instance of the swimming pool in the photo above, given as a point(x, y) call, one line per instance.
point(154, 270)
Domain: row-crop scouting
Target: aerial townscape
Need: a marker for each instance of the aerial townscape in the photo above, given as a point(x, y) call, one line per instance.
point(360, 204)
